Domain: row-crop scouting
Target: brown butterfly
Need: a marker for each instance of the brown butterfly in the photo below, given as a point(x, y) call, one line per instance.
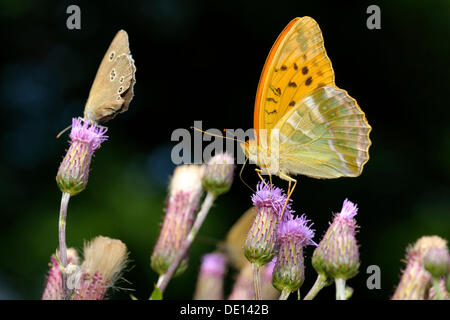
point(112, 89)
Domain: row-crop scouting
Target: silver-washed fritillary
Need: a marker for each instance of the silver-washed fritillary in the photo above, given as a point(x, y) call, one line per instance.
point(321, 131)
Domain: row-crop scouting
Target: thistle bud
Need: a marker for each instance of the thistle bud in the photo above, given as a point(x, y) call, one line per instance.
point(73, 172)
point(337, 255)
point(259, 247)
point(185, 191)
point(293, 235)
point(104, 261)
point(53, 287)
point(437, 262)
point(218, 175)
point(415, 280)
point(211, 276)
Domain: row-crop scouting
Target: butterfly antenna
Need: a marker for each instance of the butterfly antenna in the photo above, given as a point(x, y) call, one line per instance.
point(59, 134)
point(216, 135)
point(240, 176)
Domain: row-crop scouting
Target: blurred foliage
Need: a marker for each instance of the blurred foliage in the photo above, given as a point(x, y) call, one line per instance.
point(201, 60)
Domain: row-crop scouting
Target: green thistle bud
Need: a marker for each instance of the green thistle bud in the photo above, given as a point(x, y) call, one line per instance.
point(437, 262)
point(415, 280)
point(218, 174)
point(293, 235)
point(73, 172)
point(337, 255)
point(259, 246)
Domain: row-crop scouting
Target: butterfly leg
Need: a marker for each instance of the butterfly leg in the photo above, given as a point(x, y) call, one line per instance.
point(258, 172)
point(290, 190)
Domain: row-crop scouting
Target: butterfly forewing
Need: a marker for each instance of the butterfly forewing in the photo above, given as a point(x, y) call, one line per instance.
point(326, 135)
point(112, 89)
point(296, 66)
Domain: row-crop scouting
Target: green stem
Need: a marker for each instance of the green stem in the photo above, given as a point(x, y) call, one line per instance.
point(66, 292)
point(284, 294)
point(320, 283)
point(340, 289)
point(257, 281)
point(437, 288)
point(206, 206)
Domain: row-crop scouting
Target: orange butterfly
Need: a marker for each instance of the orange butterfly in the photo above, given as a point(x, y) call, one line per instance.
point(304, 123)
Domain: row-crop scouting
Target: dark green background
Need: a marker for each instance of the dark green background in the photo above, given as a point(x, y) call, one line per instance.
point(201, 60)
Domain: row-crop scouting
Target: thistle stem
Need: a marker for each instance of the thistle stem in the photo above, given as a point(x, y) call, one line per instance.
point(160, 280)
point(340, 289)
point(66, 292)
point(284, 294)
point(257, 281)
point(206, 206)
point(318, 285)
point(437, 288)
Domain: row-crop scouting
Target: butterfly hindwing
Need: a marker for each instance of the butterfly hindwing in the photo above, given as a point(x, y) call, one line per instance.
point(326, 135)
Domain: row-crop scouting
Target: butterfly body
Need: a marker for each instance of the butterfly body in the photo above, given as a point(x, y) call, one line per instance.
point(112, 89)
point(304, 124)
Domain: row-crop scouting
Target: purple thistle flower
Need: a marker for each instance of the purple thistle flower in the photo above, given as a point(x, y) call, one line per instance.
point(348, 213)
point(259, 247)
point(73, 173)
point(211, 277)
point(337, 254)
point(293, 234)
point(270, 196)
point(296, 227)
point(88, 132)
